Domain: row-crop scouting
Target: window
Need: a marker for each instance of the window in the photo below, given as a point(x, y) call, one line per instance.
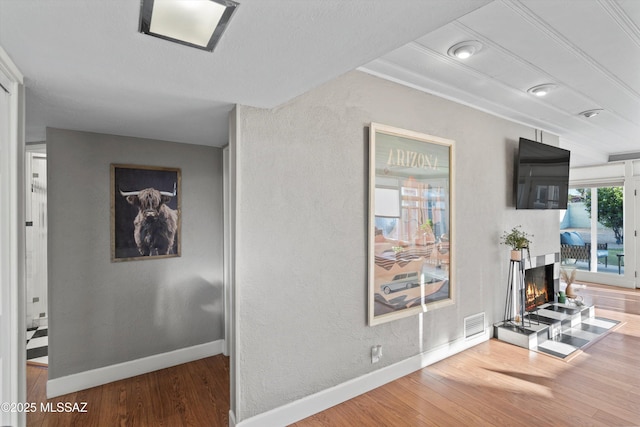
point(592, 229)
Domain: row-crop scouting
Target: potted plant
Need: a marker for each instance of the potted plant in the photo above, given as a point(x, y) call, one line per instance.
point(518, 240)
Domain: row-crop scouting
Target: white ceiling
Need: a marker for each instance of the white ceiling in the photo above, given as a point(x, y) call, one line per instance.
point(589, 48)
point(88, 68)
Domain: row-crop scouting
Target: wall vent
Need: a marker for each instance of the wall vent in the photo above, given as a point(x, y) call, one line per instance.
point(473, 325)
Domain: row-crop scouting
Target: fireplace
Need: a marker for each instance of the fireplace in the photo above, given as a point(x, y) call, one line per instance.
point(538, 286)
point(541, 280)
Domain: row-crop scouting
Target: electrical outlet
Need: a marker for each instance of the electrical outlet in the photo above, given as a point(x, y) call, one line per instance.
point(376, 353)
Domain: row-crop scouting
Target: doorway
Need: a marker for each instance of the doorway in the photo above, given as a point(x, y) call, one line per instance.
point(36, 254)
point(592, 229)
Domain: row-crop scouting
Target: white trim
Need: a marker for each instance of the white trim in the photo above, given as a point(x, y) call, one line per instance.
point(232, 419)
point(310, 405)
point(95, 377)
point(593, 256)
point(597, 182)
point(234, 150)
point(12, 259)
point(227, 255)
point(9, 68)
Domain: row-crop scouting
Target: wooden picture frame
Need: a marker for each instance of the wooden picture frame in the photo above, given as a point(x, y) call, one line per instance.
point(411, 239)
point(145, 212)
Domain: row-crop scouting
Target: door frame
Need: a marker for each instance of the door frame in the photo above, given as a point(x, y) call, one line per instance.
point(13, 242)
point(33, 151)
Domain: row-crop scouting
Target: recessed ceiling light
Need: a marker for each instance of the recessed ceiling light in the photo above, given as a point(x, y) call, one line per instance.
point(195, 23)
point(542, 90)
point(464, 50)
point(591, 113)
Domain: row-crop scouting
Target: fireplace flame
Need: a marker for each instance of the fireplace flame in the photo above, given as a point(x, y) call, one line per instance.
point(534, 296)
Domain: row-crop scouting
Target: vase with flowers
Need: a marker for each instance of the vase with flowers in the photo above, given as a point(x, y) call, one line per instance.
point(568, 276)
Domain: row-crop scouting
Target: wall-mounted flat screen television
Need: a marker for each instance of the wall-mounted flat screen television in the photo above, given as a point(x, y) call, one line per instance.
point(542, 176)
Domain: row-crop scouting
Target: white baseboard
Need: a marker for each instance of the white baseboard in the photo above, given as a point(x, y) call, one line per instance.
point(325, 399)
point(95, 377)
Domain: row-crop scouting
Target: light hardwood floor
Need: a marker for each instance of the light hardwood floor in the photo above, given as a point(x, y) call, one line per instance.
point(492, 384)
point(498, 384)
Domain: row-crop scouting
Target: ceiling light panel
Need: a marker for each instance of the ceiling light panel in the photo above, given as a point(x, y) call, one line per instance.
point(196, 23)
point(192, 21)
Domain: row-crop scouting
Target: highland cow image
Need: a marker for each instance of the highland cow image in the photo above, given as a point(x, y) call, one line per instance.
point(145, 209)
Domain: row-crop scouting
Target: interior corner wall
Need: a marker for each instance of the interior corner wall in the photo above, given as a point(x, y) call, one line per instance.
point(301, 242)
point(102, 312)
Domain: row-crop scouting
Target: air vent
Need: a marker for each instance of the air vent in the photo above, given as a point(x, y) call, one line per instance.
point(473, 325)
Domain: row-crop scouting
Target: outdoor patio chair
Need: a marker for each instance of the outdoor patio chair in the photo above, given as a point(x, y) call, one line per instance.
point(573, 247)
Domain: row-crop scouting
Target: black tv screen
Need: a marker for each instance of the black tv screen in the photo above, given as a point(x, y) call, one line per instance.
point(542, 176)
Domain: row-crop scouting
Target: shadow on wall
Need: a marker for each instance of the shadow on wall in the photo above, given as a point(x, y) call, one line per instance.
point(188, 309)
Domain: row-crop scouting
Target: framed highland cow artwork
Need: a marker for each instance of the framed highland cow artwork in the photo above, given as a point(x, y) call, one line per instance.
point(411, 233)
point(145, 212)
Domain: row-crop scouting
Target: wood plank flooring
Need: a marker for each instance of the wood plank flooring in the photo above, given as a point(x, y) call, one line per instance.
point(492, 384)
point(192, 394)
point(498, 384)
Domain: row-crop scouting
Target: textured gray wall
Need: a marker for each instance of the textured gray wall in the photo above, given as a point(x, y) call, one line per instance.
point(103, 313)
point(301, 260)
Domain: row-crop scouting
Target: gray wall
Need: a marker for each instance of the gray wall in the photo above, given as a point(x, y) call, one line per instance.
point(301, 263)
point(103, 313)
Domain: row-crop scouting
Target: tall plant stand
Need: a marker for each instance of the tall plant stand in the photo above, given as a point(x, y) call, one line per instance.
point(515, 294)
